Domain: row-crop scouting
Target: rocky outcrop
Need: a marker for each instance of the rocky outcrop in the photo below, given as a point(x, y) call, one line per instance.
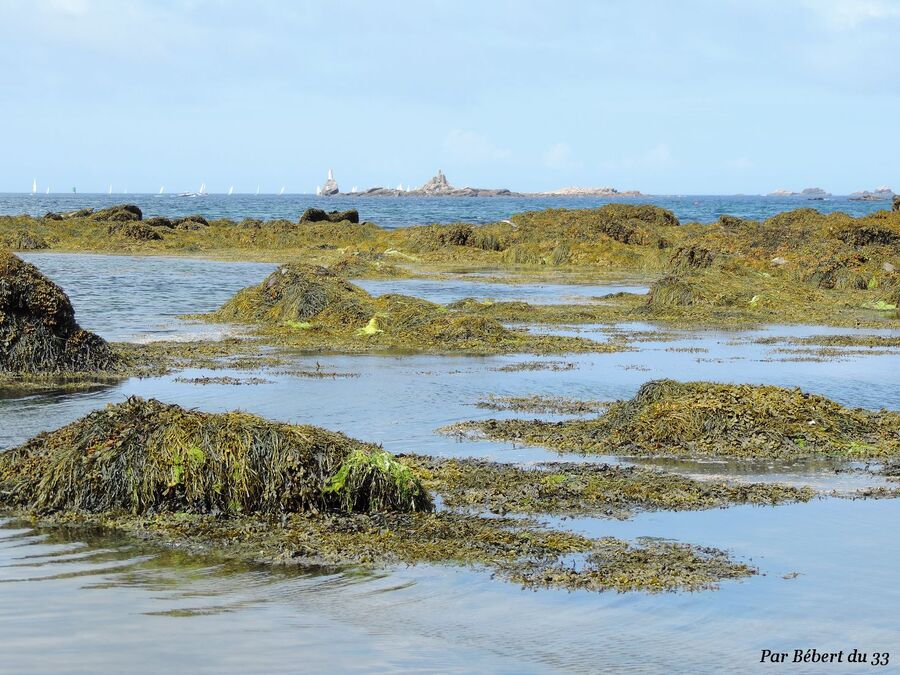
point(590, 192)
point(878, 195)
point(438, 186)
point(896, 202)
point(330, 187)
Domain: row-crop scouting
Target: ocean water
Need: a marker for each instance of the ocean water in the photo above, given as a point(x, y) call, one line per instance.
point(87, 602)
point(405, 211)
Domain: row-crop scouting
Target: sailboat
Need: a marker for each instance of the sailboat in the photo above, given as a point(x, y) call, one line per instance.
point(109, 191)
point(34, 186)
point(48, 190)
point(353, 189)
point(231, 190)
point(202, 192)
point(162, 188)
point(257, 190)
point(281, 191)
point(318, 190)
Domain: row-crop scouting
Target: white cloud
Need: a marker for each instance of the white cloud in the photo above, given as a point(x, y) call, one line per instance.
point(469, 146)
point(559, 156)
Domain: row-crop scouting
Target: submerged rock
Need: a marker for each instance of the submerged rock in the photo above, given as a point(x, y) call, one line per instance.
point(143, 456)
point(38, 331)
point(119, 213)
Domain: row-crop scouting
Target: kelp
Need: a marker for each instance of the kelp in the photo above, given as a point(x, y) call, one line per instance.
point(143, 456)
point(669, 418)
point(38, 331)
point(314, 308)
point(584, 488)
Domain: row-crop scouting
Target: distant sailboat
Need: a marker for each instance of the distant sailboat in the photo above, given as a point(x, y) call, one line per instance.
point(34, 186)
point(48, 191)
point(257, 190)
point(109, 191)
point(353, 189)
point(202, 189)
point(231, 189)
point(318, 190)
point(162, 188)
point(281, 191)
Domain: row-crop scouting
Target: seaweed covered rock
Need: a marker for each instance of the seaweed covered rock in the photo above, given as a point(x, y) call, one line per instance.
point(143, 456)
point(118, 213)
point(38, 332)
point(896, 203)
point(138, 231)
point(669, 418)
point(295, 294)
point(159, 221)
point(312, 307)
point(191, 222)
point(314, 215)
point(24, 241)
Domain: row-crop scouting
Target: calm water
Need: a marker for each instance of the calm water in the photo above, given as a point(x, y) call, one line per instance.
point(85, 603)
point(405, 211)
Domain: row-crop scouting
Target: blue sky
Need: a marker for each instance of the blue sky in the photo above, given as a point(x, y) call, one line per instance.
point(689, 97)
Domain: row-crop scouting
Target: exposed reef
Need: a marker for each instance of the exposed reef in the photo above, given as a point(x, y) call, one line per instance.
point(697, 419)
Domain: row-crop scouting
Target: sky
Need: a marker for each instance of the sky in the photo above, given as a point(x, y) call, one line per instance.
point(688, 97)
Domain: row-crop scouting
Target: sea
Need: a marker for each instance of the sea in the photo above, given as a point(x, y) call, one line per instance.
point(393, 212)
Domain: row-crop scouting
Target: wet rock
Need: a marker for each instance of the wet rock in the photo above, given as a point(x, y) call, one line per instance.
point(51, 215)
point(159, 221)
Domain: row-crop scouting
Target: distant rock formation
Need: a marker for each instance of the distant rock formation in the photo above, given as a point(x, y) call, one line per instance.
point(590, 192)
point(438, 186)
point(879, 194)
point(808, 193)
point(814, 193)
point(330, 187)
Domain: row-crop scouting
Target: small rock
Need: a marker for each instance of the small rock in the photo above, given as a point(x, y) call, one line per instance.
point(778, 262)
point(889, 268)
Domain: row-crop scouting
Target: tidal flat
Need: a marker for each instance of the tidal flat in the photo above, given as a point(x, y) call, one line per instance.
point(738, 530)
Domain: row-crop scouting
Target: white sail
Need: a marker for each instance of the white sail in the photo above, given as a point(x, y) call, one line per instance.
point(281, 191)
point(202, 189)
point(318, 190)
point(353, 189)
point(48, 191)
point(257, 189)
point(109, 191)
point(34, 186)
point(231, 189)
point(162, 188)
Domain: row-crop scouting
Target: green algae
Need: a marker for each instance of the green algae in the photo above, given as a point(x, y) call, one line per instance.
point(668, 418)
point(584, 489)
